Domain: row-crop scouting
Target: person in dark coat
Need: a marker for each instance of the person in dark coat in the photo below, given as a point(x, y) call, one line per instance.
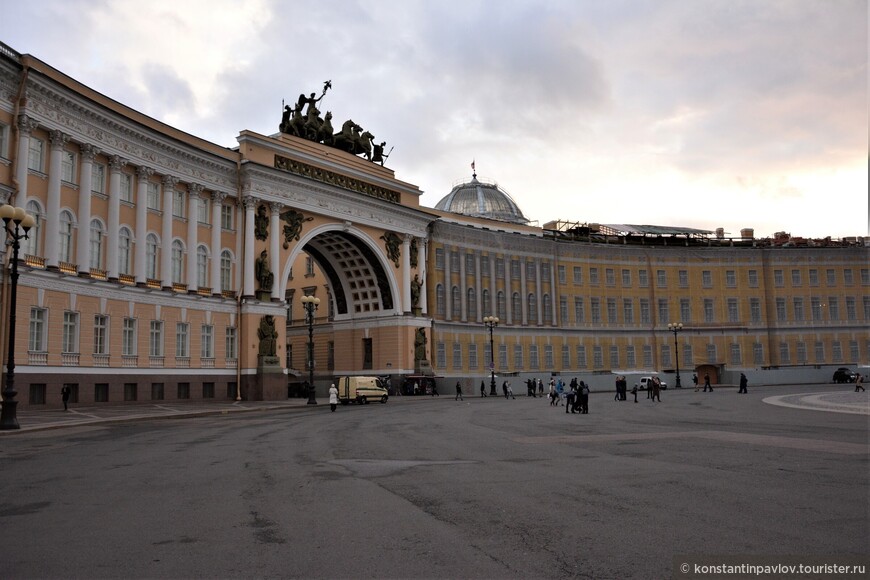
point(482, 389)
point(707, 384)
point(64, 394)
point(743, 384)
point(458, 396)
point(584, 398)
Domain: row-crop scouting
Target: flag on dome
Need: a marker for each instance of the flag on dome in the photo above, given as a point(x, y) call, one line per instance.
point(472, 164)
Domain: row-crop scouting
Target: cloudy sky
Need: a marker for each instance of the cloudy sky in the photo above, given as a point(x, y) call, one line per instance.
point(697, 113)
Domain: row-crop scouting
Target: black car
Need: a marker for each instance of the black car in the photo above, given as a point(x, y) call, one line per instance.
point(844, 375)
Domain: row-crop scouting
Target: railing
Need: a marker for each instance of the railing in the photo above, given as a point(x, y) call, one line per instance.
point(69, 359)
point(232, 363)
point(34, 261)
point(101, 360)
point(37, 358)
point(229, 294)
point(127, 279)
point(129, 361)
point(152, 283)
point(68, 268)
point(155, 362)
point(182, 362)
point(203, 291)
point(207, 363)
point(178, 287)
point(98, 274)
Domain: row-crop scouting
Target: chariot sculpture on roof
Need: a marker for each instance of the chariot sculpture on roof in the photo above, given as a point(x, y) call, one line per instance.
point(309, 125)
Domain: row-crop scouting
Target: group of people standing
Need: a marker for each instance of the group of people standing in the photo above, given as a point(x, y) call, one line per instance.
point(575, 397)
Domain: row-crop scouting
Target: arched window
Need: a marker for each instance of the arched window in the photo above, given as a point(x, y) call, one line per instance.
point(201, 267)
point(30, 246)
point(485, 306)
point(226, 271)
point(177, 262)
point(66, 228)
point(517, 307)
point(547, 315)
point(455, 303)
point(152, 245)
point(501, 307)
point(472, 304)
point(440, 302)
point(125, 242)
point(96, 251)
point(533, 308)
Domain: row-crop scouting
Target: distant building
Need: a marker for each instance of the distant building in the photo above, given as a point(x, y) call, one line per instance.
point(164, 267)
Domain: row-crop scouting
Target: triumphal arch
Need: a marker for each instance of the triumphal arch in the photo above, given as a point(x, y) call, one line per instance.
point(323, 217)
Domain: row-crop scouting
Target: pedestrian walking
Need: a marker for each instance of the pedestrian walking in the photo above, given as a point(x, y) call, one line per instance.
point(569, 398)
point(618, 395)
point(333, 397)
point(707, 384)
point(482, 389)
point(458, 396)
point(634, 392)
point(504, 389)
point(435, 390)
point(584, 398)
point(540, 387)
point(743, 383)
point(859, 382)
point(656, 390)
point(65, 391)
point(695, 380)
point(510, 391)
point(552, 395)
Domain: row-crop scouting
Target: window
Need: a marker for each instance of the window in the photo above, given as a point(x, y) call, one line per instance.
point(609, 277)
point(177, 262)
point(533, 308)
point(518, 356)
point(755, 310)
point(516, 306)
point(226, 217)
point(469, 265)
point(778, 278)
point(101, 392)
point(664, 314)
point(814, 277)
point(661, 279)
point(781, 315)
point(784, 355)
point(848, 279)
point(834, 308)
point(309, 266)
point(98, 178)
point(439, 258)
point(128, 337)
point(101, 334)
point(709, 310)
point(815, 308)
point(545, 270)
point(152, 198)
point(802, 352)
point(38, 338)
point(502, 356)
point(151, 245)
point(484, 266)
point(836, 351)
point(753, 278)
point(201, 267)
point(37, 394)
point(440, 301)
point(595, 310)
point(155, 339)
point(614, 357)
point(456, 302)
point(647, 356)
point(581, 356)
point(66, 231)
point(866, 302)
point(548, 356)
point(207, 342)
point(96, 245)
point(472, 356)
point(36, 155)
point(798, 309)
point(515, 269)
point(563, 275)
point(683, 278)
point(645, 311)
point(643, 278)
point(202, 210)
point(367, 353)
point(795, 278)
point(851, 313)
point(547, 309)
point(707, 278)
point(597, 357)
point(471, 304)
point(865, 276)
point(566, 357)
point(730, 278)
point(441, 356)
point(665, 355)
point(178, 198)
point(758, 353)
point(711, 353)
point(183, 391)
point(593, 276)
point(4, 140)
point(736, 356)
point(630, 359)
point(626, 278)
point(130, 391)
point(226, 271)
point(231, 342)
point(733, 310)
point(534, 363)
point(30, 245)
point(831, 276)
point(208, 390)
point(68, 166)
point(70, 336)
point(688, 358)
point(579, 314)
point(126, 192)
point(685, 310)
point(853, 350)
point(499, 267)
point(182, 340)
point(531, 273)
point(611, 311)
point(578, 275)
point(125, 247)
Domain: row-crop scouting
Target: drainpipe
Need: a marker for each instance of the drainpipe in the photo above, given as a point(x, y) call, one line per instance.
point(241, 285)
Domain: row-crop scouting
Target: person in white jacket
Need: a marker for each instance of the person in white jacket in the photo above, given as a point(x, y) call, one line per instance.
point(333, 397)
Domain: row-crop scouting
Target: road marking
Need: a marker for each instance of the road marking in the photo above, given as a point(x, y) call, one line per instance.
point(836, 402)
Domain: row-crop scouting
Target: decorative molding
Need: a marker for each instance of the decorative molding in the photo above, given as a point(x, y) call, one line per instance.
point(336, 179)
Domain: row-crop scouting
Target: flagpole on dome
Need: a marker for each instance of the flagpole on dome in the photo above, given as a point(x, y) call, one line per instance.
point(473, 171)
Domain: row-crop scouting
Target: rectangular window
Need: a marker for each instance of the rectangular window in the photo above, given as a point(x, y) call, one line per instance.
point(798, 309)
point(457, 356)
point(548, 356)
point(753, 278)
point(816, 308)
point(865, 276)
point(4, 140)
point(611, 311)
point(231, 342)
point(685, 310)
point(499, 267)
point(647, 356)
point(227, 217)
point(207, 341)
point(484, 266)
point(802, 353)
point(155, 338)
point(203, 212)
point(833, 308)
point(645, 311)
point(609, 277)
point(36, 155)
point(578, 275)
point(545, 270)
point(643, 277)
point(595, 309)
point(469, 264)
point(630, 360)
point(831, 276)
point(848, 279)
point(853, 350)
point(778, 278)
point(730, 278)
point(156, 391)
point(579, 313)
point(688, 358)
point(68, 166)
point(684, 278)
point(130, 391)
point(707, 278)
point(784, 355)
point(781, 315)
point(664, 315)
point(711, 353)
point(38, 319)
point(534, 362)
point(439, 258)
point(126, 188)
point(733, 311)
point(795, 278)
point(709, 310)
point(581, 356)
point(502, 356)
point(736, 357)
point(563, 275)
point(836, 352)
point(814, 277)
point(101, 392)
point(70, 337)
point(518, 356)
point(101, 334)
point(208, 390)
point(593, 276)
point(758, 353)
point(515, 269)
point(178, 198)
point(851, 313)
point(472, 356)
point(626, 278)
point(628, 310)
point(597, 357)
point(661, 279)
point(614, 357)
point(98, 178)
point(441, 356)
point(566, 357)
point(666, 355)
point(368, 353)
point(182, 340)
point(755, 310)
point(530, 271)
point(153, 196)
point(183, 390)
point(563, 309)
point(128, 337)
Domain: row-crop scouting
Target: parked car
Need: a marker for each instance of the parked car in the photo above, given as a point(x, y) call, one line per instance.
point(844, 375)
point(646, 382)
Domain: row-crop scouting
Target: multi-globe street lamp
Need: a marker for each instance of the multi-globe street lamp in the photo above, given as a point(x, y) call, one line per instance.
point(310, 303)
point(676, 327)
point(17, 223)
point(491, 322)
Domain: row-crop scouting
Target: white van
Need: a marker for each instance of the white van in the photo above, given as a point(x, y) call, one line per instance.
point(361, 390)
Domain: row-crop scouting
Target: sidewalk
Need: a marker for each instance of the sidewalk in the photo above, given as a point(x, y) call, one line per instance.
point(30, 420)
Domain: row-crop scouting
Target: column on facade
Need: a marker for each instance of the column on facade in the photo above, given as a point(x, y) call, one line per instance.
point(52, 210)
point(524, 304)
point(114, 225)
point(217, 200)
point(143, 174)
point(448, 284)
point(554, 306)
point(169, 183)
point(539, 293)
point(248, 264)
point(88, 152)
point(193, 192)
point(421, 269)
point(508, 302)
point(26, 125)
point(275, 250)
point(493, 286)
point(478, 288)
point(406, 274)
point(463, 289)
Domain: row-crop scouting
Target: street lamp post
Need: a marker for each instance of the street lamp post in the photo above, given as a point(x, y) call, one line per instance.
point(17, 223)
point(676, 327)
point(310, 303)
point(491, 322)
